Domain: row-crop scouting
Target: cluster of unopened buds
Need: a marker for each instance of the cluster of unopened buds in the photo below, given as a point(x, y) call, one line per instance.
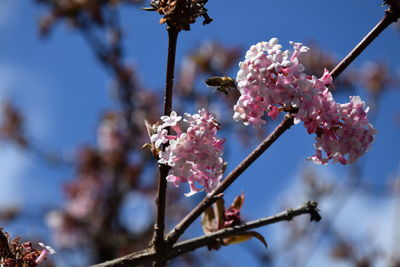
point(271, 80)
point(192, 150)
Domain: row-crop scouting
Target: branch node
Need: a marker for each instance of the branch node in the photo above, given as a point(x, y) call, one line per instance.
point(289, 214)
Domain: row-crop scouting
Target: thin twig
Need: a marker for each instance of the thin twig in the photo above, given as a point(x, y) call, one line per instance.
point(387, 19)
point(149, 255)
point(172, 40)
point(159, 227)
point(173, 236)
point(192, 244)
point(133, 259)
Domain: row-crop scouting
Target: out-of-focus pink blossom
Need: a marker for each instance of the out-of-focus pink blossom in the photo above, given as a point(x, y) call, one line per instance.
point(83, 195)
point(111, 134)
point(66, 233)
point(193, 152)
point(271, 80)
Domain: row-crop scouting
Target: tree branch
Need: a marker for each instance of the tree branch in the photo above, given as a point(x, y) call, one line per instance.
point(159, 227)
point(172, 40)
point(149, 255)
point(192, 244)
point(389, 17)
point(173, 236)
point(136, 258)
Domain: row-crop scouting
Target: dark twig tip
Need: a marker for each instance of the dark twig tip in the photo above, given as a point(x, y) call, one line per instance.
point(207, 19)
point(313, 210)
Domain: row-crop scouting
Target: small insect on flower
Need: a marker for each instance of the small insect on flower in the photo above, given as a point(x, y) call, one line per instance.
point(223, 83)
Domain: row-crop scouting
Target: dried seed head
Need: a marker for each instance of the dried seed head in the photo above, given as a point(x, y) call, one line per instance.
point(180, 13)
point(394, 8)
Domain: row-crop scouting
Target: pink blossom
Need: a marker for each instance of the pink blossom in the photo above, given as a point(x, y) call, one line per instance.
point(271, 80)
point(194, 154)
point(111, 134)
point(160, 137)
point(171, 120)
point(350, 139)
point(46, 250)
point(268, 79)
point(66, 233)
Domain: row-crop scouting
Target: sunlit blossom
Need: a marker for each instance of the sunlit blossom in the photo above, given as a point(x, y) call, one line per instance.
point(193, 151)
point(271, 81)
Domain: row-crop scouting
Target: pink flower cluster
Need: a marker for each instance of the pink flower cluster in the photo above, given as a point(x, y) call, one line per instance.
point(193, 152)
point(348, 138)
point(271, 80)
point(268, 79)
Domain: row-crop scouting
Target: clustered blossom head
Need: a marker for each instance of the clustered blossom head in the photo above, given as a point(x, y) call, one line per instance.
point(350, 138)
point(193, 152)
point(271, 80)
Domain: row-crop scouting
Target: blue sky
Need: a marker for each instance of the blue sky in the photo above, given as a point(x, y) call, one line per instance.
point(62, 90)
